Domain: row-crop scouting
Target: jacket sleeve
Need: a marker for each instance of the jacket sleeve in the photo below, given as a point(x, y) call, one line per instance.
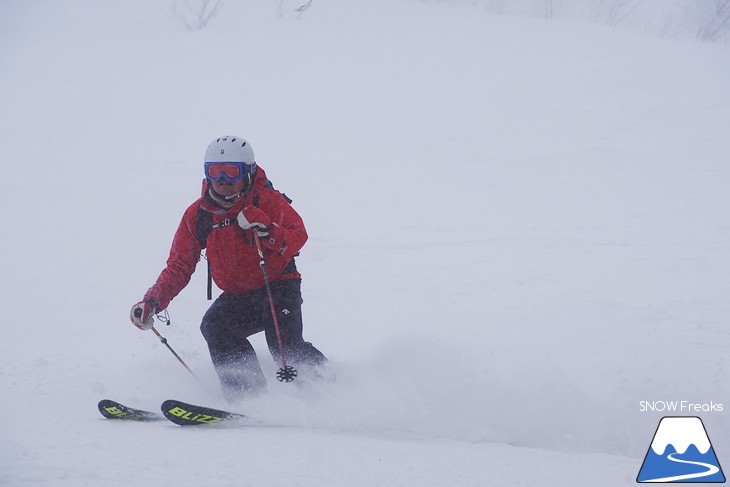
point(184, 257)
point(288, 234)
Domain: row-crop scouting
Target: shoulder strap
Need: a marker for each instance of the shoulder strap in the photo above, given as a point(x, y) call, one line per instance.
point(204, 225)
point(270, 185)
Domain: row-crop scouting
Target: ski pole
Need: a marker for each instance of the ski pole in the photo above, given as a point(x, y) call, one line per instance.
point(287, 373)
point(138, 313)
point(164, 342)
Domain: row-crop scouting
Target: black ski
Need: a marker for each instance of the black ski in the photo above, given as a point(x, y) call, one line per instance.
point(186, 414)
point(114, 410)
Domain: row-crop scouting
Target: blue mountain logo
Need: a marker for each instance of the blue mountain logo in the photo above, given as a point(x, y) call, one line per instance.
point(681, 452)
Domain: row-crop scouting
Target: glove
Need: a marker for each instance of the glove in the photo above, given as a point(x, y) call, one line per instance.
point(253, 217)
point(141, 314)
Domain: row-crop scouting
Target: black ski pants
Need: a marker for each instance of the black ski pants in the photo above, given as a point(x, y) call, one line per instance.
point(233, 318)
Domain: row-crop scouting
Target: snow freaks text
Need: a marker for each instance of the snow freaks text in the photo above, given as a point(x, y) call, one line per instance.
point(684, 407)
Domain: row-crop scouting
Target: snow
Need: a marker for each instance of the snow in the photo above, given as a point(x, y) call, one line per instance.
point(518, 231)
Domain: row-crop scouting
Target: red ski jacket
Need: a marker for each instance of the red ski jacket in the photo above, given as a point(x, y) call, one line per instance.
point(232, 255)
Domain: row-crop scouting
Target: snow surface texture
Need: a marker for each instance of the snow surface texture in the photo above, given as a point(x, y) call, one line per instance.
point(518, 231)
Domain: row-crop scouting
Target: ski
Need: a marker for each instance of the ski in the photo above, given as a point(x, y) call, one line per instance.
point(114, 410)
point(186, 414)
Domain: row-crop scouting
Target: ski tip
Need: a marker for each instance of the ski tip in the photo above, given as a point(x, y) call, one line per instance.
point(110, 409)
point(114, 410)
point(102, 405)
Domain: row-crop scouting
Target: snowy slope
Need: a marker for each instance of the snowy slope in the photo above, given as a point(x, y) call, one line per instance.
point(517, 227)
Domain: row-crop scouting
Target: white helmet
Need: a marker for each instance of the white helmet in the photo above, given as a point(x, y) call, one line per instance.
point(236, 152)
point(230, 149)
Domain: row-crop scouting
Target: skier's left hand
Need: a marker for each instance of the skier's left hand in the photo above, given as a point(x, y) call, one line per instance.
point(253, 217)
point(141, 314)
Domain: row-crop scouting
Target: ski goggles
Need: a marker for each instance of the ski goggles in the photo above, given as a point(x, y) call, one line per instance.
point(230, 171)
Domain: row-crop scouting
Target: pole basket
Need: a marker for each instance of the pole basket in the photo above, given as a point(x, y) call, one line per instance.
point(286, 374)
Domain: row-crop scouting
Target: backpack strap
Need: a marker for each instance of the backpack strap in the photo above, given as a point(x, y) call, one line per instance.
point(209, 293)
point(270, 185)
point(204, 226)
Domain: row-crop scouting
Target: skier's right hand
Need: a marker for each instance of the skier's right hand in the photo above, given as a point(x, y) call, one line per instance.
point(141, 314)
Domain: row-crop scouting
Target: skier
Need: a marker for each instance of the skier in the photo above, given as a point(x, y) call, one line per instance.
point(237, 200)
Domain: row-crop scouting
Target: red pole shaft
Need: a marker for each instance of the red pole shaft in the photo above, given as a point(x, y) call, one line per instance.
point(262, 263)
